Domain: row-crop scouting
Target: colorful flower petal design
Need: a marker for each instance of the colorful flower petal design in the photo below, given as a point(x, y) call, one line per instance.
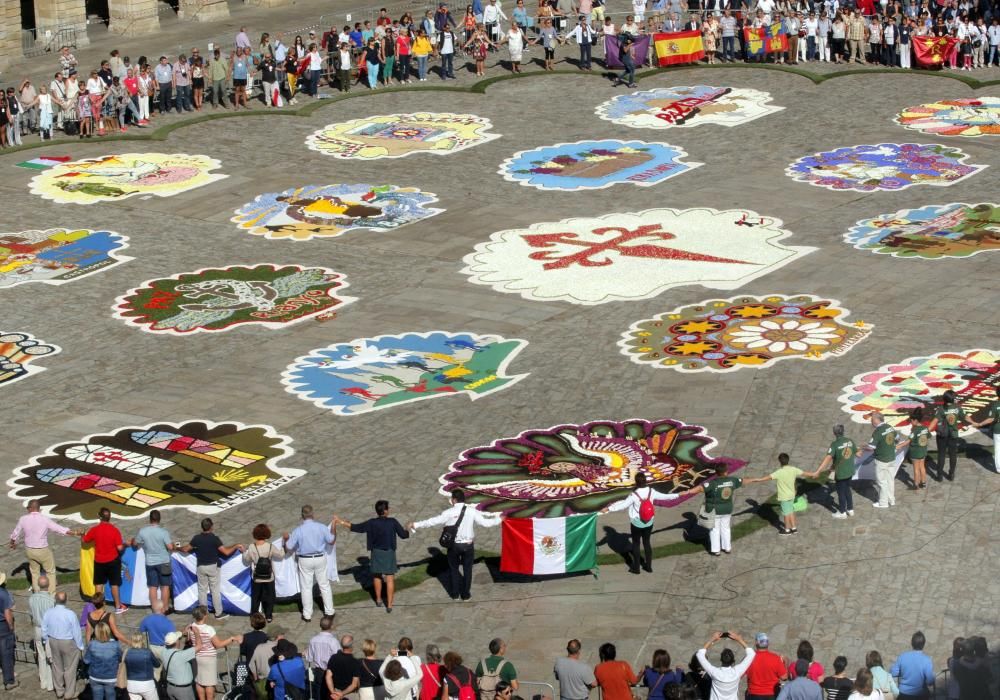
point(584, 468)
point(968, 116)
point(723, 335)
point(896, 389)
point(931, 232)
point(884, 167)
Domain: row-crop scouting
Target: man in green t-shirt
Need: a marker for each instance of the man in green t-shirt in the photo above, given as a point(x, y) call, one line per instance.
point(841, 456)
point(993, 417)
point(495, 668)
point(948, 424)
point(719, 503)
point(884, 443)
point(784, 476)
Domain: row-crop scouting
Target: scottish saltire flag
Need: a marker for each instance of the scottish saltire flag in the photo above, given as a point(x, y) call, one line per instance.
point(235, 579)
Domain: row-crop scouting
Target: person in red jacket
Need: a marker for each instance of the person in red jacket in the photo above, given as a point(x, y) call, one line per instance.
point(766, 672)
point(108, 546)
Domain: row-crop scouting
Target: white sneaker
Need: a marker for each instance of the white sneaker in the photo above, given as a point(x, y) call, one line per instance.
point(879, 505)
point(850, 513)
point(840, 516)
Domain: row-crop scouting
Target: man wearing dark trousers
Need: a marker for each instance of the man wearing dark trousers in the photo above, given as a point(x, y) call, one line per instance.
point(462, 552)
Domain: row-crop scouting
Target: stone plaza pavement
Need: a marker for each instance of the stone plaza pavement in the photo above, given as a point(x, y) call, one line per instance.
point(848, 586)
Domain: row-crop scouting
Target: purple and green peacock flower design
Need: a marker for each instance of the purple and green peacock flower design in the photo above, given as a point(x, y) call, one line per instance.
point(570, 468)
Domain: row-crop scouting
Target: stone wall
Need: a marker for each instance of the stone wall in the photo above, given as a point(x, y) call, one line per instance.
point(54, 15)
point(202, 10)
point(10, 33)
point(133, 17)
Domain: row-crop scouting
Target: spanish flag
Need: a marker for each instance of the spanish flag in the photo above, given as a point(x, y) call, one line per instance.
point(933, 51)
point(678, 47)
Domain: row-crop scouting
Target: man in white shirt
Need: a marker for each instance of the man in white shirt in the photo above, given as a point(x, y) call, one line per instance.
point(462, 551)
point(639, 9)
point(492, 14)
point(979, 41)
point(584, 36)
point(811, 25)
point(767, 7)
point(993, 32)
point(726, 678)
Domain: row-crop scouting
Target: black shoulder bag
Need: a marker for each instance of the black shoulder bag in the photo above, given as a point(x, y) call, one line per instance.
point(450, 532)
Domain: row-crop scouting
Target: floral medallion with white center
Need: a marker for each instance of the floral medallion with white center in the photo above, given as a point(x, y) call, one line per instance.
point(722, 335)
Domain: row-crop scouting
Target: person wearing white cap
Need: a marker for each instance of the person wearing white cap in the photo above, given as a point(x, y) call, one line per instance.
point(177, 667)
point(7, 638)
point(766, 672)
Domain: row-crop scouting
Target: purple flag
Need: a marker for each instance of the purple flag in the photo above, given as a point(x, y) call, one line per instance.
point(640, 50)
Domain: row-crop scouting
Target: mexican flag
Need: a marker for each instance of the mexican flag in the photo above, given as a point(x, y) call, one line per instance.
point(538, 546)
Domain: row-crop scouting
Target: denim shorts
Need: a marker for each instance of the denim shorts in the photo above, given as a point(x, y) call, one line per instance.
point(154, 578)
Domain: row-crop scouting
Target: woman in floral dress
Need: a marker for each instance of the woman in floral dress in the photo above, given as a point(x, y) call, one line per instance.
point(710, 37)
point(480, 43)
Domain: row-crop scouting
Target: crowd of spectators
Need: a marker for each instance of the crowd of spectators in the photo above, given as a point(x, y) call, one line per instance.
point(184, 659)
point(120, 93)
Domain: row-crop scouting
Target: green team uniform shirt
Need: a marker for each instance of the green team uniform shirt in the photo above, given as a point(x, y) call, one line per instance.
point(993, 411)
point(920, 438)
point(719, 494)
point(949, 420)
point(884, 439)
point(843, 451)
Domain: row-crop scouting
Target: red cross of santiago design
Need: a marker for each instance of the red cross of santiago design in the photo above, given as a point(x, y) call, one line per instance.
point(591, 249)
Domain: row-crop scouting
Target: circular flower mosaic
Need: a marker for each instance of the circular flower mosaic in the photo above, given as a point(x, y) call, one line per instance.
point(569, 469)
point(398, 135)
point(722, 335)
point(325, 211)
point(931, 232)
point(687, 106)
point(883, 167)
point(219, 299)
point(896, 389)
point(123, 175)
point(593, 165)
point(972, 116)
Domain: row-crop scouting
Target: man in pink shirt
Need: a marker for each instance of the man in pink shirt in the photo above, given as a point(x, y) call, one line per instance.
point(35, 529)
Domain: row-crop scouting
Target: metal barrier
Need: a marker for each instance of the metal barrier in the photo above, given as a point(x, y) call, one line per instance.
point(24, 645)
point(50, 40)
point(540, 684)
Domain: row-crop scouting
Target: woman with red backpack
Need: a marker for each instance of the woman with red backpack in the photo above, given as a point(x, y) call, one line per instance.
point(641, 505)
point(459, 682)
